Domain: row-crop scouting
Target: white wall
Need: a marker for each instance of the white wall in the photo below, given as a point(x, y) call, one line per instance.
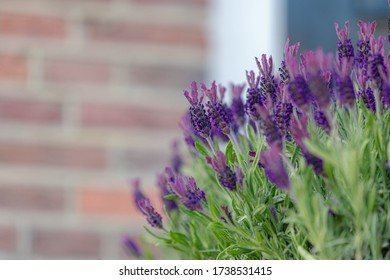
point(241, 30)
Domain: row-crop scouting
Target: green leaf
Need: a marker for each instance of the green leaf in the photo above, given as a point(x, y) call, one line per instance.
point(179, 238)
point(214, 210)
point(230, 154)
point(201, 148)
point(170, 197)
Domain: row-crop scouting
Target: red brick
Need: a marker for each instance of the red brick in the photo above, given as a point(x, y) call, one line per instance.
point(52, 155)
point(18, 197)
point(76, 71)
point(30, 111)
point(106, 202)
point(112, 202)
point(164, 76)
point(8, 239)
point(32, 25)
point(116, 115)
point(148, 33)
point(66, 244)
point(13, 66)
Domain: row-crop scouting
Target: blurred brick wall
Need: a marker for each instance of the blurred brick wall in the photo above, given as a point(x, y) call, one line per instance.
point(90, 96)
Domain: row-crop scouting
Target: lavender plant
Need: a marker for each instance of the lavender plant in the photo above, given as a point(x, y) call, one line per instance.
point(304, 173)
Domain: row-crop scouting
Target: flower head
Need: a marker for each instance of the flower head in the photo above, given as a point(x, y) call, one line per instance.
point(153, 218)
point(344, 45)
point(188, 192)
point(366, 33)
point(226, 176)
point(237, 107)
point(131, 246)
point(267, 81)
point(315, 65)
point(344, 83)
point(267, 123)
point(163, 184)
point(253, 96)
point(199, 119)
point(176, 160)
point(272, 161)
point(218, 113)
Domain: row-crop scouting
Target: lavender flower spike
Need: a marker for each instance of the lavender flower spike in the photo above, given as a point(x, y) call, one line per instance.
point(267, 81)
point(137, 194)
point(153, 218)
point(365, 33)
point(226, 176)
point(290, 52)
point(144, 206)
point(188, 192)
point(199, 119)
point(297, 87)
point(163, 184)
point(365, 92)
point(386, 83)
point(344, 83)
point(272, 161)
point(344, 45)
point(237, 106)
point(315, 65)
point(131, 246)
point(253, 96)
point(377, 61)
point(218, 113)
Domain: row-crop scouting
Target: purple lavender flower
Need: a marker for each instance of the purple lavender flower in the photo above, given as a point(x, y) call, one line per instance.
point(344, 45)
point(267, 81)
point(377, 61)
point(131, 246)
point(272, 161)
point(282, 112)
point(153, 218)
point(189, 132)
point(217, 112)
point(267, 123)
point(237, 108)
point(315, 65)
point(365, 92)
point(162, 183)
point(199, 119)
point(386, 83)
point(366, 33)
point(297, 87)
point(137, 193)
point(226, 176)
point(299, 132)
point(321, 120)
point(346, 93)
point(188, 192)
point(227, 213)
point(253, 96)
point(290, 52)
point(176, 160)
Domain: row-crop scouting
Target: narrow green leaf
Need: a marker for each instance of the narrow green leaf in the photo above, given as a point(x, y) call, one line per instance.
point(201, 148)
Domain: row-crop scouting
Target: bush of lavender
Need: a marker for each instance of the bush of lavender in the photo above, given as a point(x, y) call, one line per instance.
point(294, 166)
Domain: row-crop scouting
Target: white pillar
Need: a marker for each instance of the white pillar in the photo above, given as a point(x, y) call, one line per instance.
point(241, 30)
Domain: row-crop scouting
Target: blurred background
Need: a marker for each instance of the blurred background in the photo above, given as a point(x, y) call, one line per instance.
point(91, 95)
